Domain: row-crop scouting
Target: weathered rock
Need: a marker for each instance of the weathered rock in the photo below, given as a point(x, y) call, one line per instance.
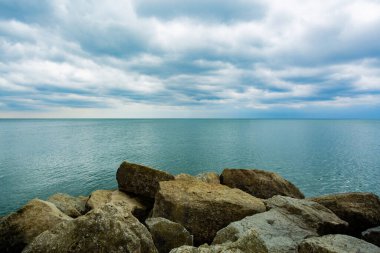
point(168, 235)
point(140, 179)
point(209, 177)
point(203, 208)
point(20, 228)
point(337, 244)
point(72, 206)
point(137, 206)
point(315, 216)
point(372, 235)
point(360, 210)
point(259, 183)
point(109, 228)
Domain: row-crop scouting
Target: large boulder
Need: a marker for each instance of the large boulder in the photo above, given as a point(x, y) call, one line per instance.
point(207, 177)
point(372, 235)
point(168, 235)
point(259, 183)
point(136, 205)
point(360, 210)
point(20, 228)
point(139, 179)
point(337, 244)
point(203, 208)
point(72, 206)
point(109, 228)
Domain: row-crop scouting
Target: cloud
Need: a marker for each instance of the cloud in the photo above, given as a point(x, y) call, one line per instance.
point(171, 58)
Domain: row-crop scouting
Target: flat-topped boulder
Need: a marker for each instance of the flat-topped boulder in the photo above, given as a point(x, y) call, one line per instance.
point(139, 179)
point(109, 228)
point(259, 183)
point(72, 206)
point(203, 208)
point(167, 234)
point(337, 244)
point(372, 235)
point(20, 228)
point(361, 210)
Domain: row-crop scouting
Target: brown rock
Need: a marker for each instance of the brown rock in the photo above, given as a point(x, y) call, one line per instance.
point(168, 235)
point(360, 210)
point(139, 179)
point(71, 206)
point(20, 228)
point(207, 177)
point(337, 244)
point(203, 208)
point(109, 228)
point(259, 183)
point(372, 235)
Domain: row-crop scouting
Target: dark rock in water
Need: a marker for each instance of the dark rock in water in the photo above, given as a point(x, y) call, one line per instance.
point(203, 208)
point(72, 206)
point(139, 179)
point(133, 204)
point(360, 210)
point(20, 228)
point(337, 244)
point(109, 228)
point(372, 235)
point(259, 183)
point(168, 235)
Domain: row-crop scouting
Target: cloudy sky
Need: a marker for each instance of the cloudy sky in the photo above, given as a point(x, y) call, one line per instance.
point(162, 58)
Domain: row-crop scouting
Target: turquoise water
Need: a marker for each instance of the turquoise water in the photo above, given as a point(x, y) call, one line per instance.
point(42, 157)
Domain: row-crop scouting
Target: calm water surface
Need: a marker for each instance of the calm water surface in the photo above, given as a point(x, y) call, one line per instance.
point(41, 157)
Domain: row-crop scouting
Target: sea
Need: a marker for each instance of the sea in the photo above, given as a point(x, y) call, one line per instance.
point(40, 157)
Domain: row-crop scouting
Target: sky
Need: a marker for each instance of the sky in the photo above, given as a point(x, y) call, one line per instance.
point(201, 59)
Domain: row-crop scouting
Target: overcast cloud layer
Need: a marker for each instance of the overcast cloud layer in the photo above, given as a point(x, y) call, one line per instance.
point(149, 58)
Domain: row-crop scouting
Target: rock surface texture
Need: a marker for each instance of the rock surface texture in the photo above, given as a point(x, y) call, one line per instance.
point(106, 229)
point(259, 183)
point(20, 228)
point(360, 210)
point(72, 206)
point(203, 208)
point(139, 179)
point(337, 244)
point(168, 235)
point(372, 235)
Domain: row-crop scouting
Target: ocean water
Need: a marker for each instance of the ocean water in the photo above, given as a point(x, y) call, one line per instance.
point(41, 157)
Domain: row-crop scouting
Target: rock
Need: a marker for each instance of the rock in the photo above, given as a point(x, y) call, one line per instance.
point(184, 176)
point(360, 210)
point(209, 177)
point(315, 216)
point(372, 235)
point(109, 228)
point(140, 179)
point(259, 183)
point(337, 244)
point(71, 206)
point(168, 235)
point(137, 206)
point(203, 208)
point(20, 228)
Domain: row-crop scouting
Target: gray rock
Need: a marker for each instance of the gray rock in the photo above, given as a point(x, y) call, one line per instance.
point(109, 228)
point(209, 177)
point(139, 179)
point(259, 183)
point(72, 206)
point(372, 235)
point(337, 244)
point(20, 228)
point(168, 235)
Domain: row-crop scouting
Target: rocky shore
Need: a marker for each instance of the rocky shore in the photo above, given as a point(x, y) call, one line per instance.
point(238, 211)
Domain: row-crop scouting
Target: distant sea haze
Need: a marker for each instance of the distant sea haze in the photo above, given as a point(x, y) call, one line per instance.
point(41, 157)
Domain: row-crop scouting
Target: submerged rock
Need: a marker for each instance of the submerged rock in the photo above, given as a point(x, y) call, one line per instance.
point(337, 244)
point(139, 179)
point(72, 206)
point(203, 208)
point(20, 228)
point(168, 235)
point(109, 228)
point(360, 210)
point(259, 183)
point(372, 235)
